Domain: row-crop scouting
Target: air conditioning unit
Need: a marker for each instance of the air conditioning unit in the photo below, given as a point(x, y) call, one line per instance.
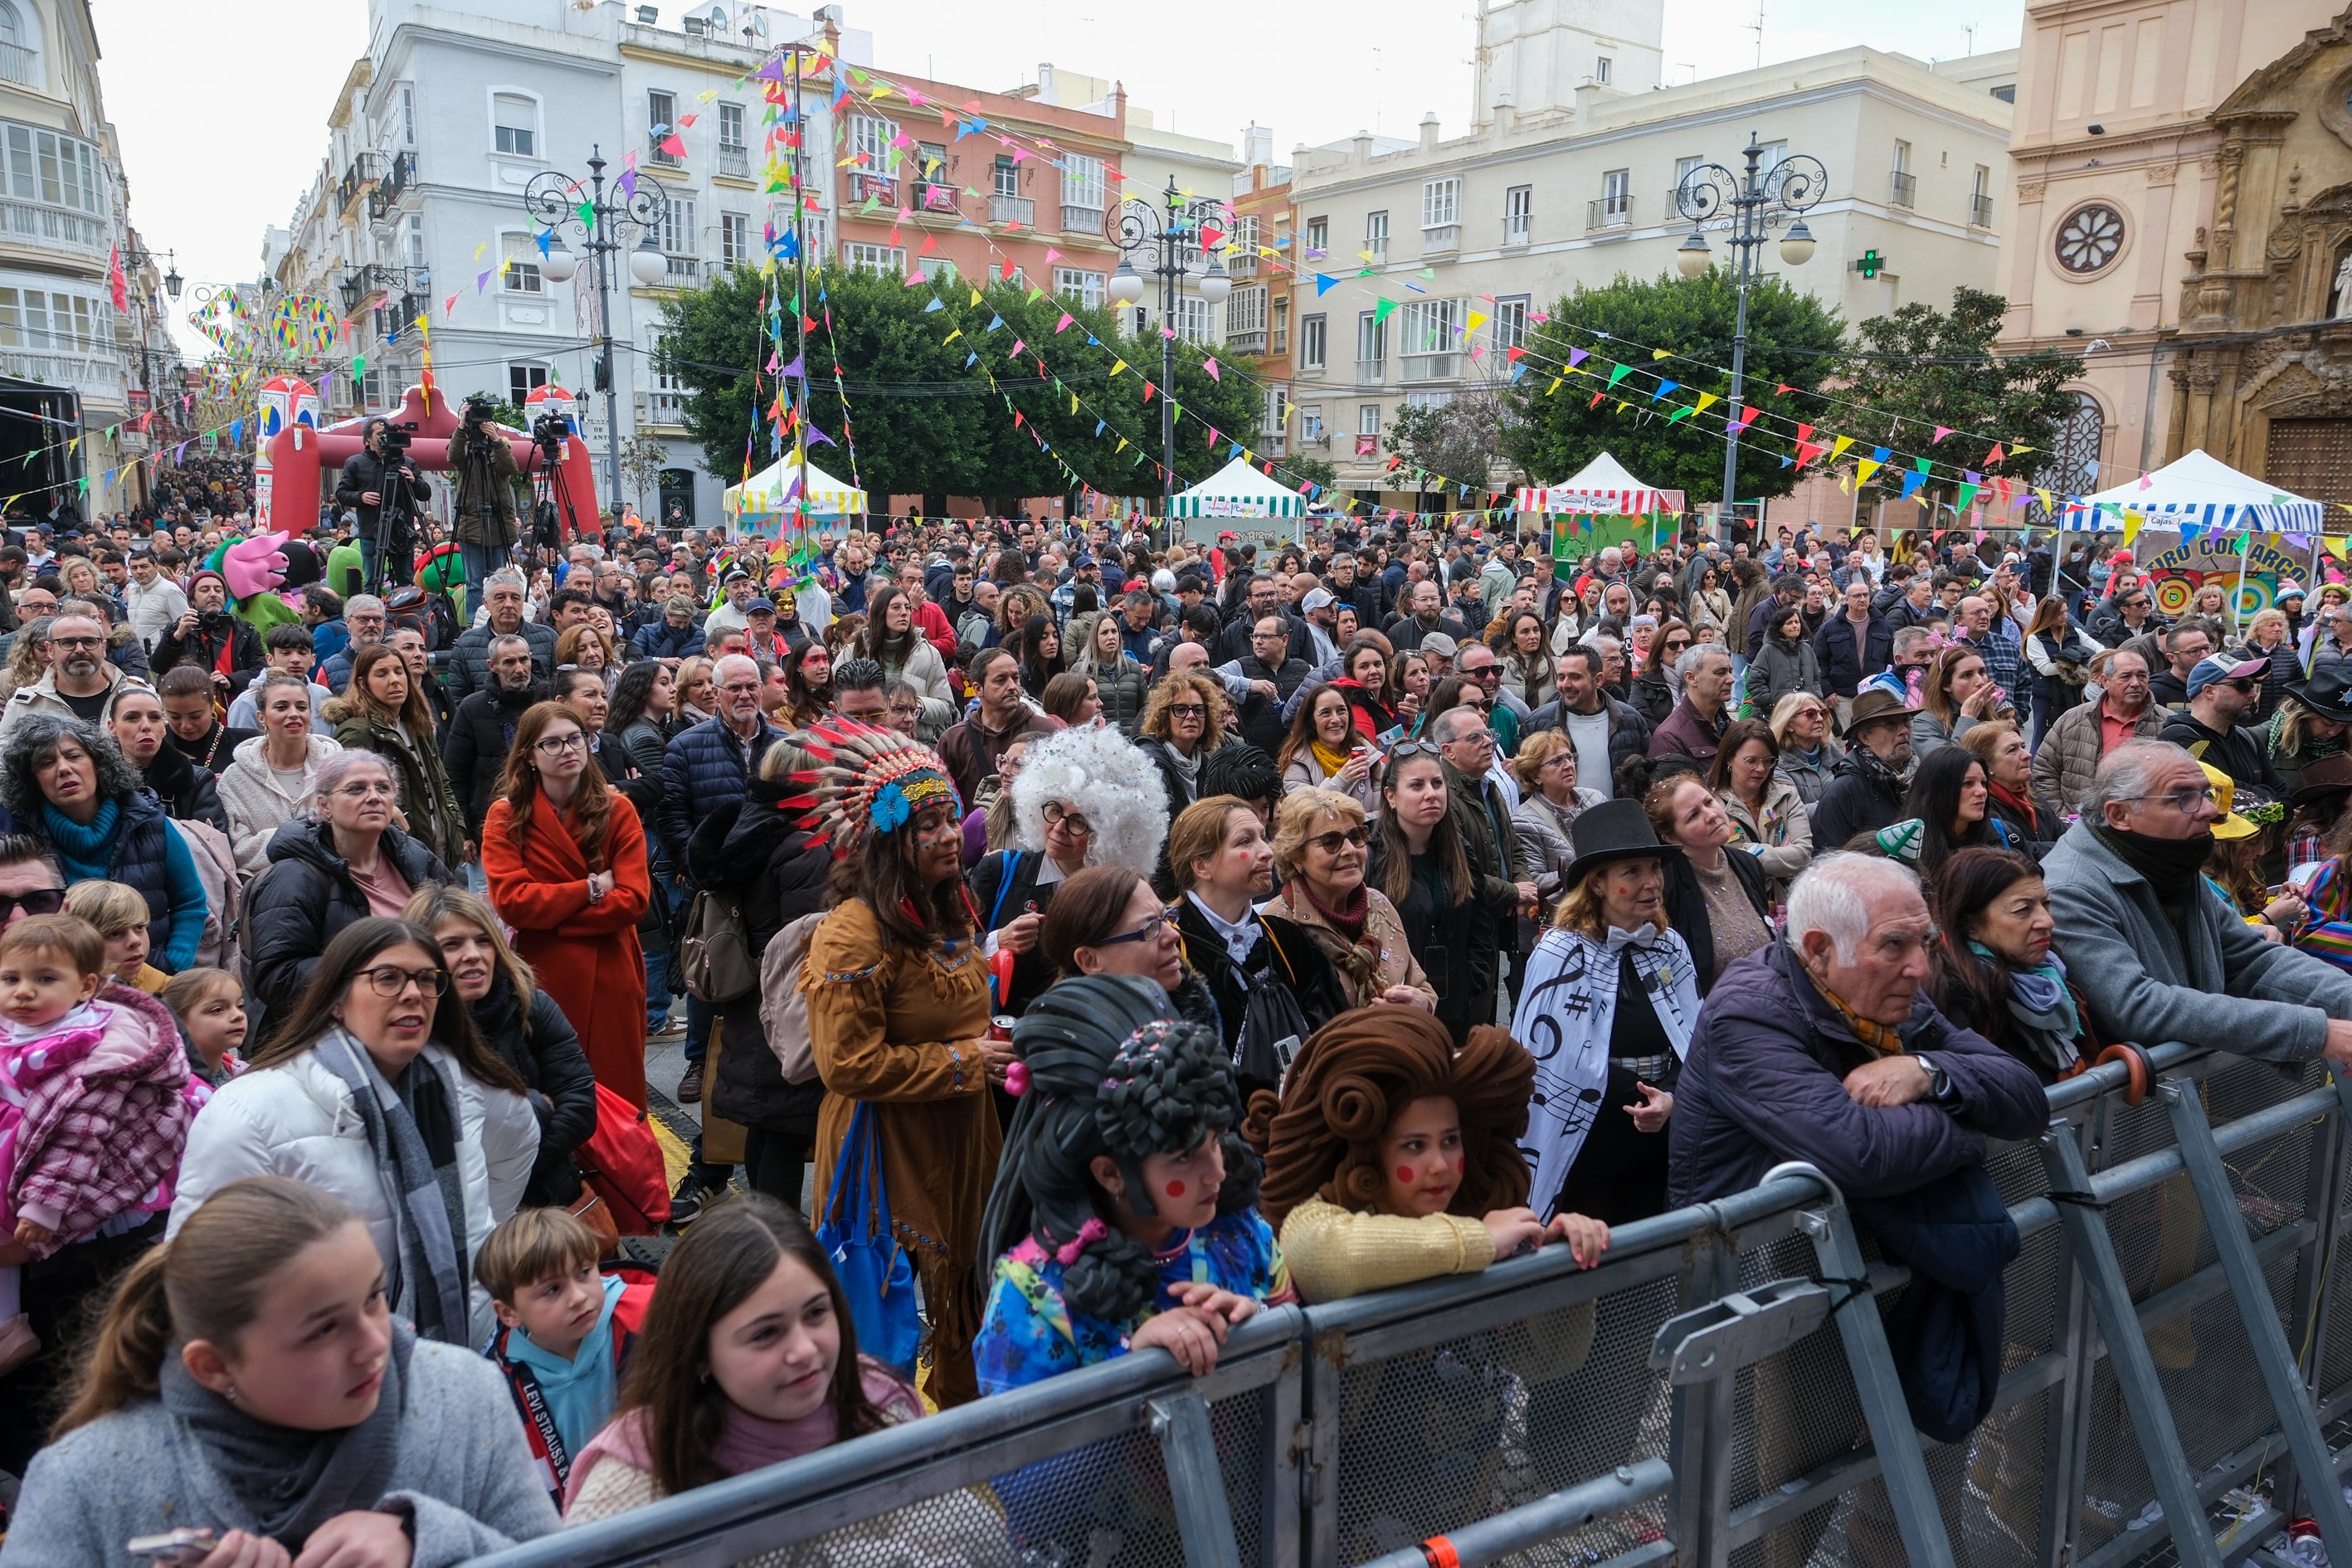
point(638, 402)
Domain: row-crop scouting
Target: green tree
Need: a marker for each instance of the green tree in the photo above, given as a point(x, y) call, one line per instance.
point(1456, 441)
point(1300, 468)
point(642, 458)
point(1922, 367)
point(1792, 341)
point(506, 413)
point(925, 418)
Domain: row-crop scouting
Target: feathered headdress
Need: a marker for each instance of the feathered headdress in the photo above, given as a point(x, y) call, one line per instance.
point(860, 778)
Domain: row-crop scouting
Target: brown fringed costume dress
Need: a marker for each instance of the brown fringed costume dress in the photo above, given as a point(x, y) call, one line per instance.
point(900, 1028)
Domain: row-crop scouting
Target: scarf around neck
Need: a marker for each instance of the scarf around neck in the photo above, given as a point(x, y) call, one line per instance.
point(1883, 1038)
point(291, 1481)
point(2039, 999)
point(413, 1134)
point(84, 850)
point(1328, 758)
point(2017, 802)
point(2171, 865)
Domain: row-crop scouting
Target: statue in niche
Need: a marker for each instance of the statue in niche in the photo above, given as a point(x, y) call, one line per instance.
point(2344, 287)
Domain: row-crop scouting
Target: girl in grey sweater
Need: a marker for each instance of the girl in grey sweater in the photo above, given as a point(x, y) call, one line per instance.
point(247, 1380)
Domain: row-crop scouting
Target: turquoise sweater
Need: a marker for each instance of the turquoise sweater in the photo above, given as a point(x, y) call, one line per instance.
point(87, 854)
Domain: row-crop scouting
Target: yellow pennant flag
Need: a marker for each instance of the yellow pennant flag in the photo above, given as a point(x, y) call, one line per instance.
point(1863, 468)
point(952, 336)
point(1660, 353)
point(1476, 321)
point(1553, 388)
point(2050, 502)
point(975, 296)
point(1842, 488)
point(1838, 450)
point(2132, 520)
point(1074, 403)
point(1117, 365)
point(1122, 444)
point(480, 249)
point(1704, 398)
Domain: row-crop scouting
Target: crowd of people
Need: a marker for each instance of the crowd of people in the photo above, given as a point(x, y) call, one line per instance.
point(1120, 936)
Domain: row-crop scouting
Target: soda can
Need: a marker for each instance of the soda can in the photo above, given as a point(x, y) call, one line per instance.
point(1000, 1027)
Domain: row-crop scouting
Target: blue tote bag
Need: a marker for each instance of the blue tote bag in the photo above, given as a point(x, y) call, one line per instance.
point(875, 1272)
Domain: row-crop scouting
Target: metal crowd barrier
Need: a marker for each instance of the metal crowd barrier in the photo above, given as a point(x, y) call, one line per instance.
point(2177, 1379)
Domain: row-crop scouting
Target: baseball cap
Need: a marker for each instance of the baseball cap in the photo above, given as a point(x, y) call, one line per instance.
point(1227, 534)
point(2222, 666)
point(737, 575)
point(759, 606)
point(1316, 598)
point(1438, 643)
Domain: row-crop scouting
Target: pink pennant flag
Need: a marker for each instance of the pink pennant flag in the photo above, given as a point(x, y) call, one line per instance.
point(449, 306)
point(1018, 344)
point(1064, 322)
point(1941, 431)
point(1210, 365)
point(1052, 255)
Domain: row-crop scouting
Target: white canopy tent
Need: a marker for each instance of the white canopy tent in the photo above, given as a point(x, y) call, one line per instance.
point(1238, 490)
point(757, 505)
point(2196, 490)
point(1602, 486)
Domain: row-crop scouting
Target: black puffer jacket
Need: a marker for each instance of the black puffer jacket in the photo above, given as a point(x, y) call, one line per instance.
point(189, 792)
point(545, 1051)
point(474, 752)
point(1459, 947)
point(779, 874)
point(303, 899)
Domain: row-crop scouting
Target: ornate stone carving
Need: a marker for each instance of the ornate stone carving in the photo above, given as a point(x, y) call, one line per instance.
point(2162, 173)
point(2029, 192)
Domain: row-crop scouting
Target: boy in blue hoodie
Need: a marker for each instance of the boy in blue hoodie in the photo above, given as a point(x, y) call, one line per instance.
point(565, 1329)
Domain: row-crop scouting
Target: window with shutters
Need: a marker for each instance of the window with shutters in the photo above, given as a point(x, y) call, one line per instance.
point(515, 124)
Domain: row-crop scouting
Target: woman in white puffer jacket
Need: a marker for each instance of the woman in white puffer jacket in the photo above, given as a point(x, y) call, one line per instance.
point(376, 1096)
point(269, 781)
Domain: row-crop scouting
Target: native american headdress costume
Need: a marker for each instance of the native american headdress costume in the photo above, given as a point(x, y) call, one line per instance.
point(859, 779)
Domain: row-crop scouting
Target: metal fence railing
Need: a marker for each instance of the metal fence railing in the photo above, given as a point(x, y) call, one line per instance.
point(2177, 1351)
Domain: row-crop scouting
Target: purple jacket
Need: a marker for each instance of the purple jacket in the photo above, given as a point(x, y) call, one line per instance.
point(1764, 1083)
point(1683, 732)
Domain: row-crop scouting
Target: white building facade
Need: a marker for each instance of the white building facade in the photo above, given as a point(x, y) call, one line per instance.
point(1567, 177)
point(444, 126)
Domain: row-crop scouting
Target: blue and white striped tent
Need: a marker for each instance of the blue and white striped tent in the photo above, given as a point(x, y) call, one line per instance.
point(2195, 492)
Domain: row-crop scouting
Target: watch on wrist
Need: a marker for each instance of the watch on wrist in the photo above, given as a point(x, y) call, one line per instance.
point(1939, 1082)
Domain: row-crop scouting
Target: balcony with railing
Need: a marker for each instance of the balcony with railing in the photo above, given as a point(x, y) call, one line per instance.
point(1242, 264)
point(397, 182)
point(685, 271)
point(1609, 211)
point(1370, 372)
point(1979, 211)
point(653, 154)
point(92, 374)
point(20, 65)
point(47, 227)
point(1249, 342)
point(359, 179)
point(1081, 220)
point(1012, 209)
point(734, 162)
point(1443, 240)
point(1420, 368)
point(1904, 190)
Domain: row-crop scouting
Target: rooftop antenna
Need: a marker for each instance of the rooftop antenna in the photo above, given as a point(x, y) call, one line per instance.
point(1689, 66)
point(1970, 29)
point(1377, 94)
point(1757, 27)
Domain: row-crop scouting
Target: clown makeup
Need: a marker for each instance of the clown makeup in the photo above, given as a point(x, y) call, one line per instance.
point(1183, 1186)
point(1421, 1159)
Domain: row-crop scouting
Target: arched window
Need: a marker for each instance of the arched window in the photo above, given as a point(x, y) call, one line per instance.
point(12, 26)
point(2072, 465)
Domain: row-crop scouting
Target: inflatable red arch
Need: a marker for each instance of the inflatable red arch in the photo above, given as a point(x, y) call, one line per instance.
point(294, 451)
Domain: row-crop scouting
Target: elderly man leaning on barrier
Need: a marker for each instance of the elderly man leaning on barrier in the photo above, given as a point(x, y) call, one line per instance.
point(2154, 951)
point(1825, 1047)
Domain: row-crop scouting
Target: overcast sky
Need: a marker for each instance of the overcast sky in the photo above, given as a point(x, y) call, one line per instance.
point(221, 106)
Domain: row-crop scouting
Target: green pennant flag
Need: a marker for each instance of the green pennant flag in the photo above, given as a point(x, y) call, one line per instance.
point(1682, 413)
point(1382, 310)
point(1921, 465)
point(587, 211)
point(1967, 494)
point(1618, 374)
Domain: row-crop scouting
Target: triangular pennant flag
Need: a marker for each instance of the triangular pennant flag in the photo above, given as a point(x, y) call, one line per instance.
point(1941, 431)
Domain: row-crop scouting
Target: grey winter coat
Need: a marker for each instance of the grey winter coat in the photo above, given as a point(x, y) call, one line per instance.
point(462, 1467)
point(2230, 990)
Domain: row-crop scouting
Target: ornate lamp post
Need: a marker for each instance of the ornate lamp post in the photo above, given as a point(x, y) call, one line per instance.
point(1169, 236)
point(1759, 200)
point(560, 203)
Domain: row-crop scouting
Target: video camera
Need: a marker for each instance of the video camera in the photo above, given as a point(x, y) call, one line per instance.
point(397, 437)
point(549, 432)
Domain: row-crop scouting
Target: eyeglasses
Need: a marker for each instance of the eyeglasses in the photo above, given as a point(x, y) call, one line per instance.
point(363, 791)
point(1330, 843)
point(1676, 645)
point(1144, 933)
point(39, 901)
point(1485, 674)
point(556, 745)
point(1187, 710)
point(78, 642)
point(1068, 821)
point(2183, 801)
point(1404, 749)
point(391, 980)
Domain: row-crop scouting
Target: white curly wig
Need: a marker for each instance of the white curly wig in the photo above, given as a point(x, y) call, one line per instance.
point(1101, 775)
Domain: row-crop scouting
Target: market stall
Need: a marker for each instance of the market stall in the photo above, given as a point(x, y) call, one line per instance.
point(1240, 499)
point(757, 507)
point(1601, 504)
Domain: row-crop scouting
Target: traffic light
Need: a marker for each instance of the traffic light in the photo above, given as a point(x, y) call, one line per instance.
point(1871, 265)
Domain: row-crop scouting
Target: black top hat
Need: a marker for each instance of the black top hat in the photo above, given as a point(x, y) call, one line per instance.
point(1613, 830)
point(2327, 693)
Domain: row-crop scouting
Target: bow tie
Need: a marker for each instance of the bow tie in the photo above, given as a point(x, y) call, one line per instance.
point(1647, 936)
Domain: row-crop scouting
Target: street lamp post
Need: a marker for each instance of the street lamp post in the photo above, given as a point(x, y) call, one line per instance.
point(558, 203)
point(1759, 200)
point(1163, 235)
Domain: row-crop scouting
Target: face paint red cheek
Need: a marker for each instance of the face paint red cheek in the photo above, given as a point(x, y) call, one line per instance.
point(1404, 1174)
point(1175, 1189)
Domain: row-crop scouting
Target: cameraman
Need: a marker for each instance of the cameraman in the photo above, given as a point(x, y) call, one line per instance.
point(364, 480)
point(224, 647)
point(483, 518)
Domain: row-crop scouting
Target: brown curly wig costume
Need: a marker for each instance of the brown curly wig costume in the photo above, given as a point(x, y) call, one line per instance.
point(1355, 1075)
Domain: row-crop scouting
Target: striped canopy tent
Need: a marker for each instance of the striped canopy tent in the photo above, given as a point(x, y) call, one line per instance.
point(1602, 487)
point(1238, 491)
point(759, 505)
point(2195, 492)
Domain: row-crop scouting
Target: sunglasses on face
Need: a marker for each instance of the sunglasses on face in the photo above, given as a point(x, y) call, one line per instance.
point(39, 901)
point(1331, 843)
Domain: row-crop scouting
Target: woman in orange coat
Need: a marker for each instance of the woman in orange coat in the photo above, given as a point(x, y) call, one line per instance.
point(566, 858)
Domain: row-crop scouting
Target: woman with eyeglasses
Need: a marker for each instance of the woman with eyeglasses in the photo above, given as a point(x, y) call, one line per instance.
point(1710, 606)
point(1321, 844)
point(1550, 800)
point(1082, 797)
point(1808, 757)
point(341, 862)
point(565, 855)
point(385, 711)
point(70, 789)
point(1180, 728)
point(1325, 750)
point(1659, 685)
point(1768, 818)
point(377, 1086)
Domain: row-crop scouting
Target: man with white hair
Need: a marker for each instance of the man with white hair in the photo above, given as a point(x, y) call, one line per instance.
point(364, 619)
point(1824, 1046)
point(2153, 951)
point(1696, 724)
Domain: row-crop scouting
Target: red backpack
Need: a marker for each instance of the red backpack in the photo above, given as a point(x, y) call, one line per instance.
point(622, 1161)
